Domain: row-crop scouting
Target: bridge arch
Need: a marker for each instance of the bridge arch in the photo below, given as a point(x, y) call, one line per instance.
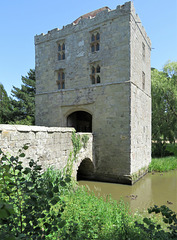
point(80, 120)
point(85, 170)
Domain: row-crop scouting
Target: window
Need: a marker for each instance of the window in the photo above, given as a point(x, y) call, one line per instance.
point(95, 42)
point(61, 79)
point(143, 80)
point(143, 50)
point(61, 51)
point(95, 73)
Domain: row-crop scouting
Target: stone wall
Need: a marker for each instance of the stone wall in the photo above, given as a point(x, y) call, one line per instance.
point(51, 146)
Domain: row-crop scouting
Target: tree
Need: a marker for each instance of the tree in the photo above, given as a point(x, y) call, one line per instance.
point(5, 106)
point(23, 102)
point(164, 106)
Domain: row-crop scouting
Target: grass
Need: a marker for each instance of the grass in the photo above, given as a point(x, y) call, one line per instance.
point(164, 164)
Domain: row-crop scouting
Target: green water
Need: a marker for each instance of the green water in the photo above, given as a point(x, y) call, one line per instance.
point(153, 189)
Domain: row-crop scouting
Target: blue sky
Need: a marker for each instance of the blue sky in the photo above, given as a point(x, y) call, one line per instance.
point(21, 20)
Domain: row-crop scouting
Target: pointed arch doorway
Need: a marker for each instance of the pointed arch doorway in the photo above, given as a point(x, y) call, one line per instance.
point(81, 121)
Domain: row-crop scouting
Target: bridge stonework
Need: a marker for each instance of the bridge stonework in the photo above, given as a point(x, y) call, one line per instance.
point(50, 145)
point(95, 75)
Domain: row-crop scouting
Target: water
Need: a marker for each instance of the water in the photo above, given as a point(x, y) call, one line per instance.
point(153, 189)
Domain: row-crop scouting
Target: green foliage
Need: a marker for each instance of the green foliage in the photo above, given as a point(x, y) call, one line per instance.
point(163, 164)
point(172, 149)
point(36, 205)
point(160, 149)
point(85, 139)
point(27, 199)
point(89, 217)
point(155, 231)
point(164, 107)
point(5, 106)
point(77, 145)
point(23, 101)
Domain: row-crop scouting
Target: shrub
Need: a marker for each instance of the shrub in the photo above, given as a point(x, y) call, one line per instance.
point(155, 231)
point(89, 217)
point(27, 199)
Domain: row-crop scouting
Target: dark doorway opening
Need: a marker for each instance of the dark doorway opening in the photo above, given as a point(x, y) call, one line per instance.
point(81, 121)
point(85, 170)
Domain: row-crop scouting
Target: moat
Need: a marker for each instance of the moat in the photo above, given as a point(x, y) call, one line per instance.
point(153, 189)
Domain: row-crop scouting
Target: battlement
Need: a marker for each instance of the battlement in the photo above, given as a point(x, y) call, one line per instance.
point(90, 21)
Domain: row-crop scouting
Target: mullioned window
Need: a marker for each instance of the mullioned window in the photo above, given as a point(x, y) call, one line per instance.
point(95, 73)
point(95, 42)
point(61, 79)
point(61, 51)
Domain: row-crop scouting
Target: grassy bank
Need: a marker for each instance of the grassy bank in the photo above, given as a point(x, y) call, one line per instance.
point(163, 164)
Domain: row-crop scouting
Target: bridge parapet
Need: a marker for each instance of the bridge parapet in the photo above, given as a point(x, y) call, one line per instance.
point(50, 145)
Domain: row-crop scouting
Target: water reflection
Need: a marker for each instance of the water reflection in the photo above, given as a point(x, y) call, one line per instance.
point(157, 188)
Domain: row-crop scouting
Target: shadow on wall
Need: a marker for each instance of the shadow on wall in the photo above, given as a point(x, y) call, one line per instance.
point(85, 170)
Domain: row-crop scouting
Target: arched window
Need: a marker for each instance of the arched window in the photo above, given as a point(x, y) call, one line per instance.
point(95, 42)
point(95, 73)
point(98, 69)
point(98, 79)
point(97, 47)
point(93, 48)
point(97, 36)
point(61, 51)
point(61, 79)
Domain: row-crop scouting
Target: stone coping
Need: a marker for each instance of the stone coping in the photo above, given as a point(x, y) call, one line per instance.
point(25, 128)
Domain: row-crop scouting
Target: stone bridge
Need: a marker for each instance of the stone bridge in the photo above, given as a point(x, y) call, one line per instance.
point(50, 145)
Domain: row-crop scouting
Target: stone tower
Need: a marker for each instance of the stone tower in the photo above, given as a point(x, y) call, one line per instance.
point(94, 75)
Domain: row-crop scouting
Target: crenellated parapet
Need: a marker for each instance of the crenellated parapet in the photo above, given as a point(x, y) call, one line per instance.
point(91, 22)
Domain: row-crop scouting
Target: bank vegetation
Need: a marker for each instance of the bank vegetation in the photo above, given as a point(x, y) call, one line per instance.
point(50, 205)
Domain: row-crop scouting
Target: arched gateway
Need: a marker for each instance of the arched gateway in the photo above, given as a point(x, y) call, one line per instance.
point(81, 121)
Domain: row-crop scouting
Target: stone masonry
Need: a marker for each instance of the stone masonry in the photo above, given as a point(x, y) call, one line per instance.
point(94, 75)
point(51, 146)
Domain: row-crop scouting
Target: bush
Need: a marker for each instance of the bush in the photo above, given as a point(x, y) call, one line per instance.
point(155, 231)
point(89, 217)
point(160, 149)
point(27, 199)
point(36, 205)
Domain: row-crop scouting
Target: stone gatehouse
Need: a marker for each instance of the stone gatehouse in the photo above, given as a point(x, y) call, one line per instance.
point(94, 75)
